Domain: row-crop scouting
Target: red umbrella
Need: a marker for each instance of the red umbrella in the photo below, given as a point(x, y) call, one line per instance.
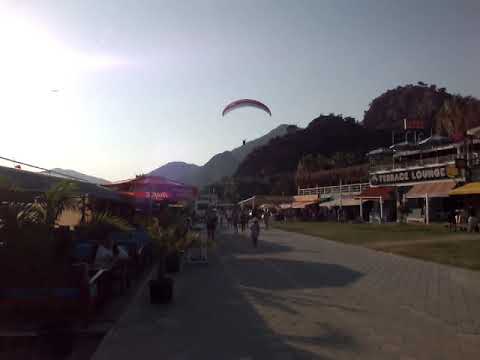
point(156, 188)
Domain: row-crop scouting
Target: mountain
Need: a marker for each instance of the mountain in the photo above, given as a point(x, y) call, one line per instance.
point(444, 113)
point(329, 135)
point(177, 170)
point(241, 152)
point(220, 165)
point(77, 175)
point(333, 148)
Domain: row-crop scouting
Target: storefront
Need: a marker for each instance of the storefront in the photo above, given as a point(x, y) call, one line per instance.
point(429, 201)
point(344, 209)
point(467, 197)
point(303, 207)
point(378, 204)
point(420, 192)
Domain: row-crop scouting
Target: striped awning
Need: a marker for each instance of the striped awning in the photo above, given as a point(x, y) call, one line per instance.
point(432, 189)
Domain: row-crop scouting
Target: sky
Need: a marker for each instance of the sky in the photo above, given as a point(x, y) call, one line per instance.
point(117, 88)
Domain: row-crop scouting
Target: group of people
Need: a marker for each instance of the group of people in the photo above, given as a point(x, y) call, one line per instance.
point(463, 220)
point(238, 220)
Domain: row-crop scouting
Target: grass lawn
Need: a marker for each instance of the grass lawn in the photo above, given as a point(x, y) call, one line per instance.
point(428, 242)
point(457, 253)
point(367, 233)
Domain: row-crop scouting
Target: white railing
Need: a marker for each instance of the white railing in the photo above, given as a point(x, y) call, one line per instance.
point(405, 164)
point(349, 189)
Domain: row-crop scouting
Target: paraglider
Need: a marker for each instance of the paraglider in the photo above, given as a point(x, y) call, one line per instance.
point(246, 103)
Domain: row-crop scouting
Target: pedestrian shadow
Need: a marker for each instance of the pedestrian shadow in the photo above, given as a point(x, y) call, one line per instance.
point(285, 274)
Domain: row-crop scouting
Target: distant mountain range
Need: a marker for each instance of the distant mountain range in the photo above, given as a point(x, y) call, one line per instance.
point(77, 175)
point(220, 165)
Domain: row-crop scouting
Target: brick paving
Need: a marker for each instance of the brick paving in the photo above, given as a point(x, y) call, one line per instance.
point(301, 297)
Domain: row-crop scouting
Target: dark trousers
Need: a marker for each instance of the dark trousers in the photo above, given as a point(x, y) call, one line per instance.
point(211, 233)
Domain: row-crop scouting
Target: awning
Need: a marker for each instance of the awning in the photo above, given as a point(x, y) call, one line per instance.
point(302, 204)
point(375, 193)
point(343, 202)
point(433, 190)
point(469, 189)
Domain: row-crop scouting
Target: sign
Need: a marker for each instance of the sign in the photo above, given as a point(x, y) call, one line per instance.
point(415, 175)
point(413, 124)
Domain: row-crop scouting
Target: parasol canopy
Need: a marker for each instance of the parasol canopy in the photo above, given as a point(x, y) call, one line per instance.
point(155, 188)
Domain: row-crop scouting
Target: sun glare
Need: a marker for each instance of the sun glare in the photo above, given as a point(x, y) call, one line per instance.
point(34, 60)
point(41, 84)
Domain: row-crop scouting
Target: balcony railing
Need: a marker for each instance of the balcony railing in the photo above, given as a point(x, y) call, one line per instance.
point(350, 189)
point(405, 164)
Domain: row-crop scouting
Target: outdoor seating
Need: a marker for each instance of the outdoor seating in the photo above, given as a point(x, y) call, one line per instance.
point(135, 245)
point(84, 251)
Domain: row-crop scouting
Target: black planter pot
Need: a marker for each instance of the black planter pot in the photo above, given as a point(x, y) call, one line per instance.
point(161, 291)
point(57, 339)
point(173, 262)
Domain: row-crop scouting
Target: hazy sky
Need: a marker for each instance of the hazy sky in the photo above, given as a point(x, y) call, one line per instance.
point(141, 83)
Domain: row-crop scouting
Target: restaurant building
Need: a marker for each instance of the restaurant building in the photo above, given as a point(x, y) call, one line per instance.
point(419, 177)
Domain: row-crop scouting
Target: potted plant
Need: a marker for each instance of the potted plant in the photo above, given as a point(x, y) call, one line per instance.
point(177, 245)
point(161, 288)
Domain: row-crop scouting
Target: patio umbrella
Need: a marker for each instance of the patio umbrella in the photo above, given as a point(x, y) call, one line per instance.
point(155, 188)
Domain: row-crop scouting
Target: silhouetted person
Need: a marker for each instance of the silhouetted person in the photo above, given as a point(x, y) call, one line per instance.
point(255, 232)
point(243, 220)
point(266, 219)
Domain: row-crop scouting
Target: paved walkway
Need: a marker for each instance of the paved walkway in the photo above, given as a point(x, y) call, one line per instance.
point(300, 297)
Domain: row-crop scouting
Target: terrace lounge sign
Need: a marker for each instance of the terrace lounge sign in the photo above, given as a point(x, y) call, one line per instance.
point(414, 175)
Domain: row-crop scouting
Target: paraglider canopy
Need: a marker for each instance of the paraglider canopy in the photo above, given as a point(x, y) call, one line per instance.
point(246, 103)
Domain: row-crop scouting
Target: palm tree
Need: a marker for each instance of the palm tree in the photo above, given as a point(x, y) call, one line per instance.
point(14, 213)
point(62, 196)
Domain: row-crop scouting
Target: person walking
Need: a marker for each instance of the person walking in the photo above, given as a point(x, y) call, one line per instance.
point(235, 221)
point(243, 220)
point(255, 232)
point(452, 220)
point(211, 225)
point(266, 218)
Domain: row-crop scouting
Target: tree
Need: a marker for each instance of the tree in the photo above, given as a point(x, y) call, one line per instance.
point(49, 206)
point(14, 213)
point(341, 159)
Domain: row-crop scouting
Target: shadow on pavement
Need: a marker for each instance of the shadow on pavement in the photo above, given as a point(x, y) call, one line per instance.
point(332, 339)
point(209, 319)
point(289, 303)
point(241, 244)
point(284, 274)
